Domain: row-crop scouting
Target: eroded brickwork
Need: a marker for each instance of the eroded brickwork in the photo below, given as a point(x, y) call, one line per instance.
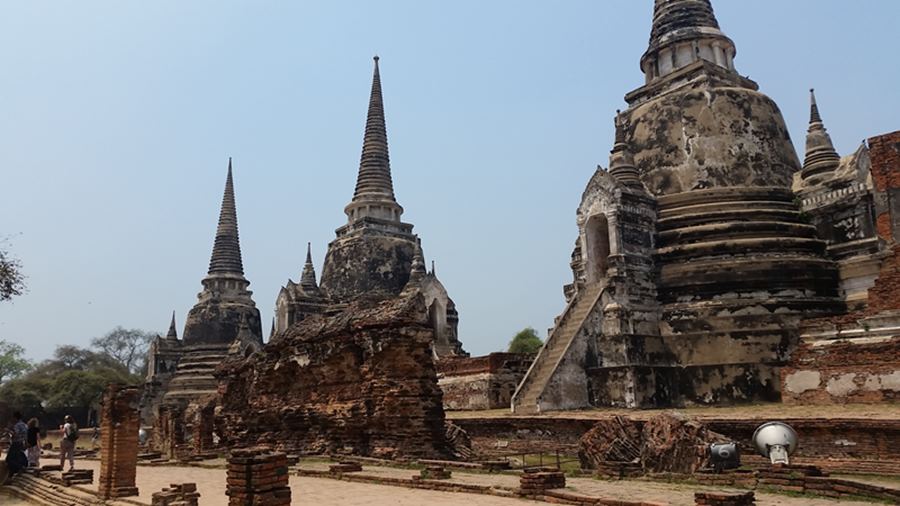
point(843, 372)
point(119, 425)
point(359, 382)
point(257, 477)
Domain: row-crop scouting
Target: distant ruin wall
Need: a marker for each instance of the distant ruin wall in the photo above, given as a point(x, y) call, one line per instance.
point(486, 382)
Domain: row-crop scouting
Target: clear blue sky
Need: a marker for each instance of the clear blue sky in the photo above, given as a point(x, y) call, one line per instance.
point(117, 120)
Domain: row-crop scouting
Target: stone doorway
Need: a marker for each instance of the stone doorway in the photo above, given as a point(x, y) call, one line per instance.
point(597, 248)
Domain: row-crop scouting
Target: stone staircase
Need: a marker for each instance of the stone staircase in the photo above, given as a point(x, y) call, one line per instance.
point(44, 493)
point(526, 399)
point(194, 374)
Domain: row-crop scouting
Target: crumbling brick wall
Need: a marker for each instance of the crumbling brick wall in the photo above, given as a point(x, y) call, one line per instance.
point(119, 426)
point(842, 372)
point(359, 382)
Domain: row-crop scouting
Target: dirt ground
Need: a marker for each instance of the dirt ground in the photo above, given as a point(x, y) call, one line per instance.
point(326, 492)
point(304, 491)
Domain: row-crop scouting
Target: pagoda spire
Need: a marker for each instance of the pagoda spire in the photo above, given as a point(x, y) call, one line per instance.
point(621, 160)
point(685, 31)
point(375, 164)
point(226, 254)
point(821, 157)
point(417, 270)
point(374, 194)
point(173, 333)
point(308, 277)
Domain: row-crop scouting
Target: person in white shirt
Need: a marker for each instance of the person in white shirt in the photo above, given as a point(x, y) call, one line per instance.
point(67, 444)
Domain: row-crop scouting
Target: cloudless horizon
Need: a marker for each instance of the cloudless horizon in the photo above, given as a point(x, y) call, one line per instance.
point(118, 119)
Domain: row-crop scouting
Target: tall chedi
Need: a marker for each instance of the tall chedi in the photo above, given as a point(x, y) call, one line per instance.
point(225, 299)
point(374, 254)
point(224, 321)
point(732, 264)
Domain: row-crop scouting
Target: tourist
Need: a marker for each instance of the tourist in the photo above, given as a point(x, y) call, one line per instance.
point(15, 456)
point(33, 440)
point(67, 444)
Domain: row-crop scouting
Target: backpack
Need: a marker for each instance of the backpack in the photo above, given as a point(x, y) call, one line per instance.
point(72, 433)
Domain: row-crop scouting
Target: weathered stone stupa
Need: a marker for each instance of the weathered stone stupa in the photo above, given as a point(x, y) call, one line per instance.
point(693, 266)
point(224, 321)
point(373, 255)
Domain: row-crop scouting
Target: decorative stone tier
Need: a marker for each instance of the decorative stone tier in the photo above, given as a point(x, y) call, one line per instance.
point(738, 269)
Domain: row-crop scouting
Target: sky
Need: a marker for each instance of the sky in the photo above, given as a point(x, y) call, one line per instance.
point(117, 119)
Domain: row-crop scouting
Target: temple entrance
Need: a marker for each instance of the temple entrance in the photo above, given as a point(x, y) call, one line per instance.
point(437, 316)
point(596, 253)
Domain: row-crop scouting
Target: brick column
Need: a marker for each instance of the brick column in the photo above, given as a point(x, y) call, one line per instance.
point(119, 426)
point(258, 477)
point(203, 430)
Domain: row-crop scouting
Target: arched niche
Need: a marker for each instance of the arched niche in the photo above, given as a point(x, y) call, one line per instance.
point(597, 248)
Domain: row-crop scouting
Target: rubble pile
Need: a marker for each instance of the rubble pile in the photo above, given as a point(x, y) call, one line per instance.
point(666, 443)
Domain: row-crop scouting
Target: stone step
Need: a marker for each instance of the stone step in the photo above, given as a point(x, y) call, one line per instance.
point(726, 205)
point(730, 247)
point(695, 219)
point(735, 230)
point(50, 493)
point(530, 389)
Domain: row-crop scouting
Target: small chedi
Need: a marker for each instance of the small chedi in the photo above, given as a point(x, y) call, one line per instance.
point(706, 248)
point(224, 322)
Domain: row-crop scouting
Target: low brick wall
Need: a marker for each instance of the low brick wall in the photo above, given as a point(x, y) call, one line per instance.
point(845, 445)
point(791, 481)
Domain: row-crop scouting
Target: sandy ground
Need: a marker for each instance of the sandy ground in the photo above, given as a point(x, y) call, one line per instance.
point(752, 411)
point(304, 491)
point(326, 492)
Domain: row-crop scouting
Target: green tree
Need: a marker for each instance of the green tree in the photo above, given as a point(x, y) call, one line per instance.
point(12, 281)
point(526, 341)
point(12, 361)
point(74, 378)
point(128, 346)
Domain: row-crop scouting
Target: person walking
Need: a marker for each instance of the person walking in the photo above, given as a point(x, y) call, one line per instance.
point(67, 444)
point(33, 440)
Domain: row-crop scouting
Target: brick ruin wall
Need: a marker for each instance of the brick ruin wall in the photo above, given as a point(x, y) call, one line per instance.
point(848, 445)
point(360, 382)
point(843, 372)
point(885, 154)
point(477, 383)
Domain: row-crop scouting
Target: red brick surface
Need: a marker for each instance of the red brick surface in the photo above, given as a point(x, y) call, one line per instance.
point(885, 153)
